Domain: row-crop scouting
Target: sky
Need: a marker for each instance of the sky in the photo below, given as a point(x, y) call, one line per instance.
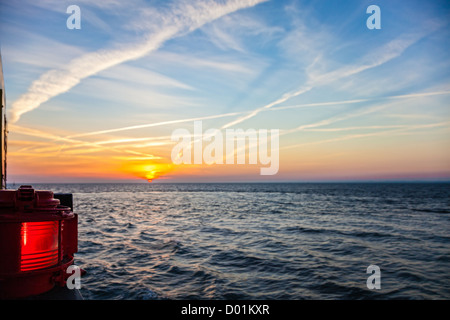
point(100, 103)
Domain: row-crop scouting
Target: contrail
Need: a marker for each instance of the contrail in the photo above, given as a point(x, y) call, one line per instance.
point(77, 143)
point(268, 106)
point(185, 18)
point(386, 53)
point(252, 113)
point(363, 111)
point(46, 135)
point(155, 124)
point(405, 128)
point(338, 118)
point(333, 103)
point(309, 127)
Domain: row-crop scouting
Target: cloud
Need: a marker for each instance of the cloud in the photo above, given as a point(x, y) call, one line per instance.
point(218, 64)
point(358, 112)
point(143, 76)
point(352, 114)
point(384, 54)
point(235, 32)
point(406, 129)
point(178, 20)
point(155, 124)
point(74, 143)
point(267, 106)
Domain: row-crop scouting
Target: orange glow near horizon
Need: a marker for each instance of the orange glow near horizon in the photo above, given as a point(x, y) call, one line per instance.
point(347, 103)
point(146, 171)
point(43, 155)
point(366, 158)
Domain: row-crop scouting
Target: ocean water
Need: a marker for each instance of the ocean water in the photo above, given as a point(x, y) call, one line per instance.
point(262, 241)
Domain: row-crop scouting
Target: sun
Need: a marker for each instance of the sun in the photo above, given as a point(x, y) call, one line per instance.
point(147, 171)
point(151, 175)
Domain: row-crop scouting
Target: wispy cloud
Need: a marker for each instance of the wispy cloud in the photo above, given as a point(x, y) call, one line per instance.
point(223, 64)
point(183, 18)
point(232, 32)
point(401, 130)
point(155, 124)
point(382, 55)
point(267, 107)
point(342, 117)
point(72, 142)
point(316, 77)
point(124, 143)
point(309, 127)
point(356, 101)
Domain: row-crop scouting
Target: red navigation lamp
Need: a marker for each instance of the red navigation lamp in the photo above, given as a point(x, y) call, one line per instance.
point(38, 239)
point(39, 245)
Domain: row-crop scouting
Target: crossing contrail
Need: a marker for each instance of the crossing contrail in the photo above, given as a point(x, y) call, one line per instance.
point(186, 17)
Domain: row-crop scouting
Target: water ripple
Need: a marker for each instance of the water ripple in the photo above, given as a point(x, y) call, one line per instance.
point(262, 241)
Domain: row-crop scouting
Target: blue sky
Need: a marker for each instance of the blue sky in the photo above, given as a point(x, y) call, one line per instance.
point(340, 94)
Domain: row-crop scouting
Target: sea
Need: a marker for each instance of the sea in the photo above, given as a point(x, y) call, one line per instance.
point(271, 241)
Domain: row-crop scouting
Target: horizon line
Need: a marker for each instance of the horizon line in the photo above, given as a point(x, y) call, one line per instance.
point(236, 182)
